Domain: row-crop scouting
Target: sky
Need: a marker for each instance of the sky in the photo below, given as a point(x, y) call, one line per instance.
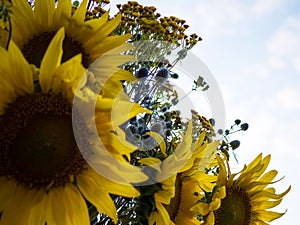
point(252, 49)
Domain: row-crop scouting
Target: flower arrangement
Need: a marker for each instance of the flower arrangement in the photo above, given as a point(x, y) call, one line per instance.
point(90, 133)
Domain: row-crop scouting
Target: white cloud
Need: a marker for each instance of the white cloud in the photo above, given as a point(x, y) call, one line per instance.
point(284, 46)
point(296, 63)
point(266, 6)
point(285, 142)
point(260, 71)
point(287, 98)
point(284, 41)
point(219, 17)
point(227, 16)
point(277, 62)
point(221, 11)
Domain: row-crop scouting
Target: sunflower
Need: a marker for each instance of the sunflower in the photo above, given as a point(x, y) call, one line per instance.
point(183, 180)
point(33, 29)
point(192, 181)
point(247, 197)
point(188, 192)
point(41, 165)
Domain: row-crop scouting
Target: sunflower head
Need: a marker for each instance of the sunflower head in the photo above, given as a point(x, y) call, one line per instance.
point(34, 28)
point(36, 123)
point(242, 198)
point(41, 160)
point(187, 180)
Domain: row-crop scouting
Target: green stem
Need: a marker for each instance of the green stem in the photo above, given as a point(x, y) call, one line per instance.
point(89, 4)
point(186, 95)
point(10, 32)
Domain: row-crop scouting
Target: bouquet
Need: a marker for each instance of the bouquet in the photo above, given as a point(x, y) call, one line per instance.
point(91, 132)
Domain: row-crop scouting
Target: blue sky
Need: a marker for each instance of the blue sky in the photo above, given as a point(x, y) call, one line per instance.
point(252, 49)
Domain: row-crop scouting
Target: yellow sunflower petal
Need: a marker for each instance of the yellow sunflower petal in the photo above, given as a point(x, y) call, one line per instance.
point(106, 61)
point(104, 66)
point(222, 172)
point(5, 196)
point(120, 49)
point(265, 161)
point(96, 23)
point(23, 22)
point(208, 155)
point(268, 194)
point(107, 44)
point(258, 185)
point(44, 10)
point(97, 193)
point(68, 206)
point(14, 71)
point(51, 60)
point(210, 220)
point(265, 204)
point(151, 161)
point(221, 192)
point(121, 190)
point(201, 207)
point(183, 219)
point(62, 13)
point(258, 222)
point(112, 89)
point(41, 210)
point(122, 75)
point(67, 76)
point(254, 163)
point(160, 140)
point(246, 177)
point(168, 191)
point(58, 208)
point(269, 176)
point(152, 218)
point(164, 196)
point(117, 169)
point(122, 111)
point(108, 27)
point(20, 70)
point(206, 181)
point(198, 148)
point(116, 145)
point(80, 12)
point(163, 215)
point(215, 204)
point(4, 36)
point(268, 216)
point(21, 195)
point(97, 46)
point(183, 150)
point(111, 70)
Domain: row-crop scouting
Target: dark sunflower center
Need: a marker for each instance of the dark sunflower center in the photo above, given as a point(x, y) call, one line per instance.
point(34, 50)
point(235, 208)
point(37, 144)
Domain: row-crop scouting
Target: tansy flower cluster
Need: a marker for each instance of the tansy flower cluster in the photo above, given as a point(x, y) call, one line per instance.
point(147, 24)
point(96, 8)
